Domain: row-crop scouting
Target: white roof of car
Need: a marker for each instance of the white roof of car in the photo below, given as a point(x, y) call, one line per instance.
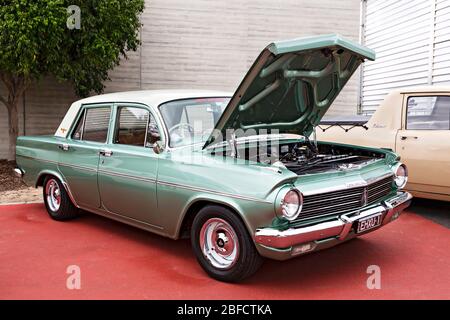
point(153, 97)
point(149, 97)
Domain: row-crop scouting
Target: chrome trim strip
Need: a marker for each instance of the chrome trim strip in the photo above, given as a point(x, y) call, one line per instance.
point(74, 166)
point(38, 159)
point(61, 164)
point(124, 175)
point(66, 186)
point(176, 185)
point(181, 186)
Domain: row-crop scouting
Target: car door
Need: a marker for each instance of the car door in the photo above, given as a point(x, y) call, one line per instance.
point(424, 142)
point(128, 165)
point(79, 155)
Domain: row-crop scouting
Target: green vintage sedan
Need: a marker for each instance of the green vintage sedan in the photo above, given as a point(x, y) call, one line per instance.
point(240, 174)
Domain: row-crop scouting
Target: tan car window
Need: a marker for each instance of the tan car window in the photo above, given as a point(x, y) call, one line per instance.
point(428, 113)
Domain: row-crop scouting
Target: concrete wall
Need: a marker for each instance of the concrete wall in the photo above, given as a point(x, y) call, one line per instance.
point(200, 44)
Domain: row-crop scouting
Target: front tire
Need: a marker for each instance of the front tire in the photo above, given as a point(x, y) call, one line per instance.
point(223, 246)
point(57, 201)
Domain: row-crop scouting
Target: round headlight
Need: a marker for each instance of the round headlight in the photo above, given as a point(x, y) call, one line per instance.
point(291, 204)
point(401, 175)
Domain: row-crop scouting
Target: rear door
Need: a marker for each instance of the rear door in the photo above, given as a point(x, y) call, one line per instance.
point(128, 165)
point(79, 156)
point(424, 142)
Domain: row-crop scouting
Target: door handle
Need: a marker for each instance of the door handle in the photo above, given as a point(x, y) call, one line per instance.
point(106, 153)
point(64, 146)
point(408, 137)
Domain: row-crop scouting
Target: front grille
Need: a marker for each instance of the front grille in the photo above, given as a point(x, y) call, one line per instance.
point(344, 201)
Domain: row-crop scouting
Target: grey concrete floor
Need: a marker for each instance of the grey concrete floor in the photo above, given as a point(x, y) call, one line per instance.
point(437, 211)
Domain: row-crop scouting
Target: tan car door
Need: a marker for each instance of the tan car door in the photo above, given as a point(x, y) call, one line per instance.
point(424, 142)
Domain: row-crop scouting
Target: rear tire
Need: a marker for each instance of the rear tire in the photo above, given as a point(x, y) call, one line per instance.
point(223, 246)
point(57, 201)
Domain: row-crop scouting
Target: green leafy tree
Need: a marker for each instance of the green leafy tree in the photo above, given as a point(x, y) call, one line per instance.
point(38, 38)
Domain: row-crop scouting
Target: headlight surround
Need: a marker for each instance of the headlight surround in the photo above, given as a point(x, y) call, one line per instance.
point(291, 203)
point(401, 175)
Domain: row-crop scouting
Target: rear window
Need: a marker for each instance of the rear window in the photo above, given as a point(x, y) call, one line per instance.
point(93, 125)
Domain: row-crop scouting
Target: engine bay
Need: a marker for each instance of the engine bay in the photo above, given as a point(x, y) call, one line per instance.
point(309, 157)
point(306, 157)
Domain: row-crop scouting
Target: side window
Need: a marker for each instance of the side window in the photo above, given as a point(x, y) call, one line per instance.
point(96, 124)
point(78, 131)
point(428, 113)
point(136, 127)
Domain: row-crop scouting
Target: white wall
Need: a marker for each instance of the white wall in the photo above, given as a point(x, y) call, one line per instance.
point(412, 42)
point(201, 44)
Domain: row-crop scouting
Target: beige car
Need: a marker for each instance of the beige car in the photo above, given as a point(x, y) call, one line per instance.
point(415, 123)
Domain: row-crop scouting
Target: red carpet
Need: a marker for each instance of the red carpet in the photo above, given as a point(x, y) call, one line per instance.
point(121, 262)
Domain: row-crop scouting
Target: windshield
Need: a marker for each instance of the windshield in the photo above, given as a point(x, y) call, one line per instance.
point(191, 120)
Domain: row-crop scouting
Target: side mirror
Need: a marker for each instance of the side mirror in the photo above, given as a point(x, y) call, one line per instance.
point(158, 147)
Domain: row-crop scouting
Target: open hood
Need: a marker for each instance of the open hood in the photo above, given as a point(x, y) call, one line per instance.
point(290, 86)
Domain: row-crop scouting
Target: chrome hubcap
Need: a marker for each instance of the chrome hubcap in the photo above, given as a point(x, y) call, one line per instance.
point(53, 195)
point(219, 243)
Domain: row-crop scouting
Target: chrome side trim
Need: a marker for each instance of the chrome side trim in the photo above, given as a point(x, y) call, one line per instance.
point(39, 159)
point(74, 166)
point(170, 184)
point(124, 175)
point(187, 187)
point(61, 164)
point(66, 186)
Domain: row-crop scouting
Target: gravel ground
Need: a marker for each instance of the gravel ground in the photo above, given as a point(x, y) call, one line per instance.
point(12, 189)
point(8, 180)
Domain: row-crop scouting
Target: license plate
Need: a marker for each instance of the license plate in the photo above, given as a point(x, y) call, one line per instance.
point(369, 223)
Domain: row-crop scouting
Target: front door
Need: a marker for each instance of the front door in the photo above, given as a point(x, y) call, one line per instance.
point(79, 155)
point(424, 143)
point(128, 166)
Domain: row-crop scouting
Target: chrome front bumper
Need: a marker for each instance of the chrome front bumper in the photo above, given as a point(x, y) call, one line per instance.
point(338, 229)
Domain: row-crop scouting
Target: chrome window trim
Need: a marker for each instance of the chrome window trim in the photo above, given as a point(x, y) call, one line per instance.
point(82, 111)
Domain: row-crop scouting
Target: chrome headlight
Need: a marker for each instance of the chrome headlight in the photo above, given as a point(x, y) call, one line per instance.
point(401, 175)
point(291, 203)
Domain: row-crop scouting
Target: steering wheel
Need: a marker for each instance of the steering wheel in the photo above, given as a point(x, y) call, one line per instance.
point(180, 125)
